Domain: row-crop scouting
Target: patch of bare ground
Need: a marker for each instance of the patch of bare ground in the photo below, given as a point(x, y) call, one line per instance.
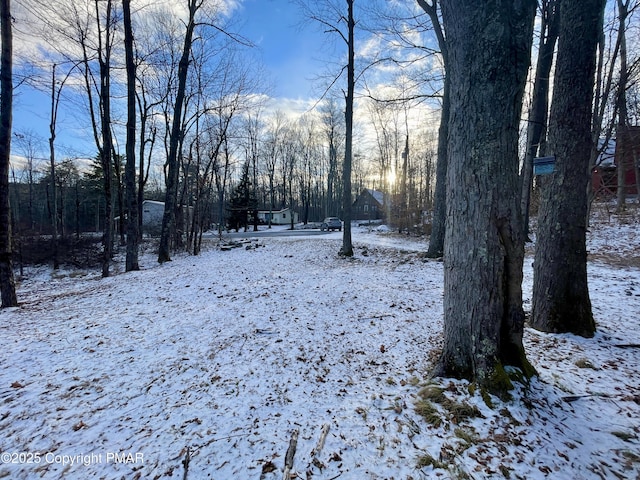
point(616, 259)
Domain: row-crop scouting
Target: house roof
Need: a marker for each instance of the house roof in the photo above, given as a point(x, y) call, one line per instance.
point(378, 196)
point(153, 202)
point(274, 211)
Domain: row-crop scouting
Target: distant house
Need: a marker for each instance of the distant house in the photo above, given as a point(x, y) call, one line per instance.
point(278, 217)
point(624, 151)
point(369, 205)
point(152, 213)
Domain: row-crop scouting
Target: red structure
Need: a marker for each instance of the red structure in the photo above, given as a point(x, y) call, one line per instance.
point(604, 176)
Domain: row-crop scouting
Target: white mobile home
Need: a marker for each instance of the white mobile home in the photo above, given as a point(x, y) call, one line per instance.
point(278, 217)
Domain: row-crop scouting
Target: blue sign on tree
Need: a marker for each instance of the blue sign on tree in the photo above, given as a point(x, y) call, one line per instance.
point(544, 165)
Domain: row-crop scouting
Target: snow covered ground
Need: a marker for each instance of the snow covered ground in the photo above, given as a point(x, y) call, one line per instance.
point(207, 367)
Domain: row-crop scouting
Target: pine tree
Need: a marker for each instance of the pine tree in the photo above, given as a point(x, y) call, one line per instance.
point(243, 201)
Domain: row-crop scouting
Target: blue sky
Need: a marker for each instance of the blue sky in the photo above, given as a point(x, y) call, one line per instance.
point(291, 50)
point(288, 45)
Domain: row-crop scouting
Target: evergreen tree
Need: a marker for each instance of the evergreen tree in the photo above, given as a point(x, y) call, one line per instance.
point(243, 201)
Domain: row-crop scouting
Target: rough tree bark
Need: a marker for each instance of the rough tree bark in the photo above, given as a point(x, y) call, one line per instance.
point(7, 281)
point(131, 262)
point(489, 46)
point(561, 300)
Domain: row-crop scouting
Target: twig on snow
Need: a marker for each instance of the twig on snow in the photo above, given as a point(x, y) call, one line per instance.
point(573, 398)
point(323, 436)
point(291, 452)
point(185, 462)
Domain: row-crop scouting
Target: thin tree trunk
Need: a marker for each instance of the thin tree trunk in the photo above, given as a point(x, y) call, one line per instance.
point(117, 170)
point(52, 163)
point(489, 52)
point(560, 300)
point(107, 142)
point(347, 247)
point(143, 173)
point(131, 262)
point(623, 135)
point(173, 166)
point(537, 123)
point(436, 239)
point(7, 281)
point(438, 224)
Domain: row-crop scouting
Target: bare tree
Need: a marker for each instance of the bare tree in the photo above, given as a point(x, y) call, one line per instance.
point(7, 281)
point(105, 145)
point(253, 128)
point(489, 48)
point(273, 146)
point(561, 300)
point(131, 262)
point(436, 240)
point(178, 115)
point(151, 92)
point(56, 92)
point(325, 13)
point(88, 30)
point(347, 246)
point(608, 89)
point(27, 143)
point(169, 219)
point(332, 127)
point(537, 122)
point(289, 156)
point(623, 137)
point(308, 162)
point(83, 34)
point(385, 127)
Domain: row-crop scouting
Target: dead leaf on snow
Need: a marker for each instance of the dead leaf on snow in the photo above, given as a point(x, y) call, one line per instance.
point(268, 467)
point(79, 425)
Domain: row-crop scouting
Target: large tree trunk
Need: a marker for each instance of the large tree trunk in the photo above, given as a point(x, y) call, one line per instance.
point(560, 292)
point(489, 48)
point(131, 262)
point(7, 282)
